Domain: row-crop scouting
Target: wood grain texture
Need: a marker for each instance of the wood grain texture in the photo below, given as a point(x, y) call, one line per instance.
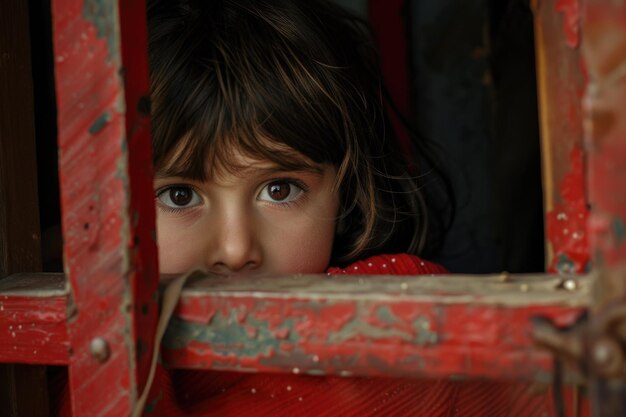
point(443, 326)
point(33, 315)
point(561, 82)
point(106, 199)
point(466, 326)
point(604, 32)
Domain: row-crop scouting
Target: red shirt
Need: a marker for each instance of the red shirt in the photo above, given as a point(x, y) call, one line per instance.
point(401, 264)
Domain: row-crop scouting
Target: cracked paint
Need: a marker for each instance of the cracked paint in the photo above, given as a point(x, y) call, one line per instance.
point(102, 14)
point(566, 224)
point(571, 20)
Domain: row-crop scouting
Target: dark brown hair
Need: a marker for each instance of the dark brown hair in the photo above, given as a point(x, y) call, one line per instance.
point(299, 74)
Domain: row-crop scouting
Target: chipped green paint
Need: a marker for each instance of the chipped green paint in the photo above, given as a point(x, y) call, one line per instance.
point(565, 265)
point(357, 328)
point(223, 333)
point(386, 315)
point(425, 336)
point(315, 372)
point(103, 14)
point(100, 123)
point(619, 230)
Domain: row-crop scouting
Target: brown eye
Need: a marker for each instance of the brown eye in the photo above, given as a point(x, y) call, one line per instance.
point(179, 197)
point(278, 191)
point(282, 192)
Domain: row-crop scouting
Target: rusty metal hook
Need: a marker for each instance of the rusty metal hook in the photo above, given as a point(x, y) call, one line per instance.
point(566, 346)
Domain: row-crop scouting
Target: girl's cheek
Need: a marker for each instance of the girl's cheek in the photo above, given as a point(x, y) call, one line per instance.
point(177, 236)
point(299, 240)
point(176, 256)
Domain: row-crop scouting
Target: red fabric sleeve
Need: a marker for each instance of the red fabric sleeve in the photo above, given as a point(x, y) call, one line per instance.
point(399, 264)
point(225, 394)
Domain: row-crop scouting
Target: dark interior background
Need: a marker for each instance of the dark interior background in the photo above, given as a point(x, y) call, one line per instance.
point(46, 135)
point(473, 97)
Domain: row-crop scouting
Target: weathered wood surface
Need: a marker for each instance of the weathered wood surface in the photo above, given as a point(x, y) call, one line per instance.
point(33, 316)
point(561, 81)
point(604, 47)
point(444, 326)
point(106, 181)
point(453, 326)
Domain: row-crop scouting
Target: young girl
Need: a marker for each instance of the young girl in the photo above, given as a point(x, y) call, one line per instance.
point(271, 146)
point(273, 154)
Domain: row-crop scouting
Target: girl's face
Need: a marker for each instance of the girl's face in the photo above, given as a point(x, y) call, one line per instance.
point(257, 219)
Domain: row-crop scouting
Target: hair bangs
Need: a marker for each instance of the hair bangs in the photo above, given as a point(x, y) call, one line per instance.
point(215, 146)
point(226, 98)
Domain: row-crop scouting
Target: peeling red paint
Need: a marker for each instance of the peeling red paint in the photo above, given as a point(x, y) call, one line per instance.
point(571, 20)
point(333, 316)
point(566, 226)
point(193, 309)
point(562, 79)
point(33, 330)
point(140, 242)
point(427, 336)
point(105, 178)
point(360, 333)
point(607, 189)
point(604, 47)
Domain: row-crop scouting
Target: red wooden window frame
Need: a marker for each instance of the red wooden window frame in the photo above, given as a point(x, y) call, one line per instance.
point(102, 324)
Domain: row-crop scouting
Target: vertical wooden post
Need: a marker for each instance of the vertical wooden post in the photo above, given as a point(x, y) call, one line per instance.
point(107, 199)
point(561, 83)
point(23, 388)
point(604, 46)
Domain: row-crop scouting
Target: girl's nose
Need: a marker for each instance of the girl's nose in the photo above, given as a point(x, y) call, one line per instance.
point(234, 245)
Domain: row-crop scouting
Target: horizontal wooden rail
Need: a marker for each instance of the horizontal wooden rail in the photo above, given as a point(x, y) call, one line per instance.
point(33, 319)
point(440, 326)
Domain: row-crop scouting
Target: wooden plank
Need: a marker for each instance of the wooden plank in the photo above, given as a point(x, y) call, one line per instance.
point(33, 315)
point(23, 389)
point(452, 326)
point(605, 122)
point(444, 326)
point(134, 49)
point(107, 200)
point(561, 83)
